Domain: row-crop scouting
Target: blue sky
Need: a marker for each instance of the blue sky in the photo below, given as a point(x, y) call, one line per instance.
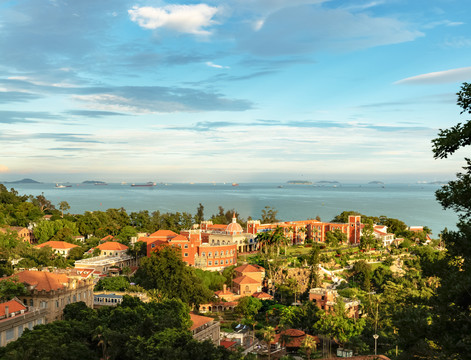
point(234, 90)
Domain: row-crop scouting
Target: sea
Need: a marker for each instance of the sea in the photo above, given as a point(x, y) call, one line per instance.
point(415, 204)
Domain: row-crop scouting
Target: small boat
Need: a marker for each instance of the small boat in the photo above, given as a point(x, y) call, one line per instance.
point(148, 184)
point(235, 184)
point(60, 186)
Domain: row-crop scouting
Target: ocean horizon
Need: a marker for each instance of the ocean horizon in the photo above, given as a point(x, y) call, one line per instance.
point(415, 204)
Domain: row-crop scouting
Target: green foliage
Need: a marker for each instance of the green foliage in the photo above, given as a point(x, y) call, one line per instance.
point(269, 215)
point(248, 307)
point(362, 274)
point(212, 280)
point(10, 288)
point(166, 272)
point(131, 330)
point(115, 283)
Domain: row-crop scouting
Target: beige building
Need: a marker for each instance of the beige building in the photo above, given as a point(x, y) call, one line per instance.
point(205, 328)
point(16, 317)
point(59, 247)
point(53, 291)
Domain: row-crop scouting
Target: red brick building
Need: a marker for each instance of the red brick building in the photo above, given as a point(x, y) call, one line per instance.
point(300, 231)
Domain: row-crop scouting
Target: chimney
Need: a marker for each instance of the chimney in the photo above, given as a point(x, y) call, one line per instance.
point(7, 313)
point(224, 288)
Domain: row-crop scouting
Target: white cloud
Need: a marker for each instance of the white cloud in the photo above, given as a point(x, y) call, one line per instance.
point(189, 19)
point(439, 77)
point(211, 64)
point(443, 23)
point(305, 29)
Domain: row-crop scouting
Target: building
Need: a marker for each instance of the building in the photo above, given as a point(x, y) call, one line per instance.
point(205, 328)
point(24, 234)
point(326, 299)
point(248, 280)
point(219, 234)
point(112, 248)
point(381, 233)
point(194, 252)
point(15, 317)
point(53, 291)
point(291, 339)
point(59, 247)
point(300, 231)
point(105, 265)
point(105, 298)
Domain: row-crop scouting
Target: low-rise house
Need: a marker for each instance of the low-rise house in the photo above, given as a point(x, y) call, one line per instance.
point(59, 247)
point(24, 234)
point(53, 291)
point(242, 335)
point(248, 279)
point(291, 339)
point(381, 233)
point(104, 265)
point(15, 317)
point(112, 248)
point(105, 298)
point(326, 299)
point(205, 328)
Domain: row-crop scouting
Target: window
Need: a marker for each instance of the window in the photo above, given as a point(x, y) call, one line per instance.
point(31, 303)
point(210, 254)
point(227, 252)
point(30, 325)
point(152, 246)
point(10, 334)
point(222, 253)
point(57, 303)
point(186, 254)
point(203, 254)
point(20, 330)
point(186, 246)
point(210, 263)
point(216, 263)
point(230, 261)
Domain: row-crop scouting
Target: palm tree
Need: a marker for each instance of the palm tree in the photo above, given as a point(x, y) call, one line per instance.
point(268, 336)
point(308, 345)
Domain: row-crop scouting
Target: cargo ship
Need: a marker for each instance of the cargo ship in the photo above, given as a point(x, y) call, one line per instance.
point(148, 184)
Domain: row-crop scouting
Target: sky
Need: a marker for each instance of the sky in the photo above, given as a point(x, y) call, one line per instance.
point(230, 90)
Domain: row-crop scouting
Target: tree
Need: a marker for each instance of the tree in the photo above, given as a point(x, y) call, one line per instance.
point(199, 217)
point(269, 215)
point(308, 345)
point(9, 288)
point(248, 307)
point(452, 309)
point(313, 261)
point(367, 239)
point(362, 274)
point(268, 335)
point(116, 283)
point(165, 271)
point(63, 206)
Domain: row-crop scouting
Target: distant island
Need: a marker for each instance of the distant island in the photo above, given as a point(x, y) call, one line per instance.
point(299, 182)
point(93, 182)
point(376, 183)
point(22, 181)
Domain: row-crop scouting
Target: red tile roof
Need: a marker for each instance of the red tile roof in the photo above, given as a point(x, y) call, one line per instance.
point(262, 295)
point(13, 307)
point(112, 245)
point(227, 344)
point(165, 233)
point(248, 268)
point(41, 280)
point(57, 245)
point(179, 238)
point(242, 280)
point(199, 320)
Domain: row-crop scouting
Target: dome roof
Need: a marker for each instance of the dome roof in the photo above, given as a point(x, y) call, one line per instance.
point(234, 228)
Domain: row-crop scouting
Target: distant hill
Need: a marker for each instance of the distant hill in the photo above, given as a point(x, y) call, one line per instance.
point(22, 181)
point(93, 182)
point(299, 182)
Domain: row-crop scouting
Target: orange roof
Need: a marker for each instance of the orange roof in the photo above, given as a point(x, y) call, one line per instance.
point(199, 320)
point(13, 307)
point(222, 292)
point(107, 238)
point(165, 233)
point(112, 245)
point(217, 227)
point(262, 295)
point(57, 245)
point(241, 280)
point(179, 238)
point(248, 268)
point(41, 280)
point(227, 344)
